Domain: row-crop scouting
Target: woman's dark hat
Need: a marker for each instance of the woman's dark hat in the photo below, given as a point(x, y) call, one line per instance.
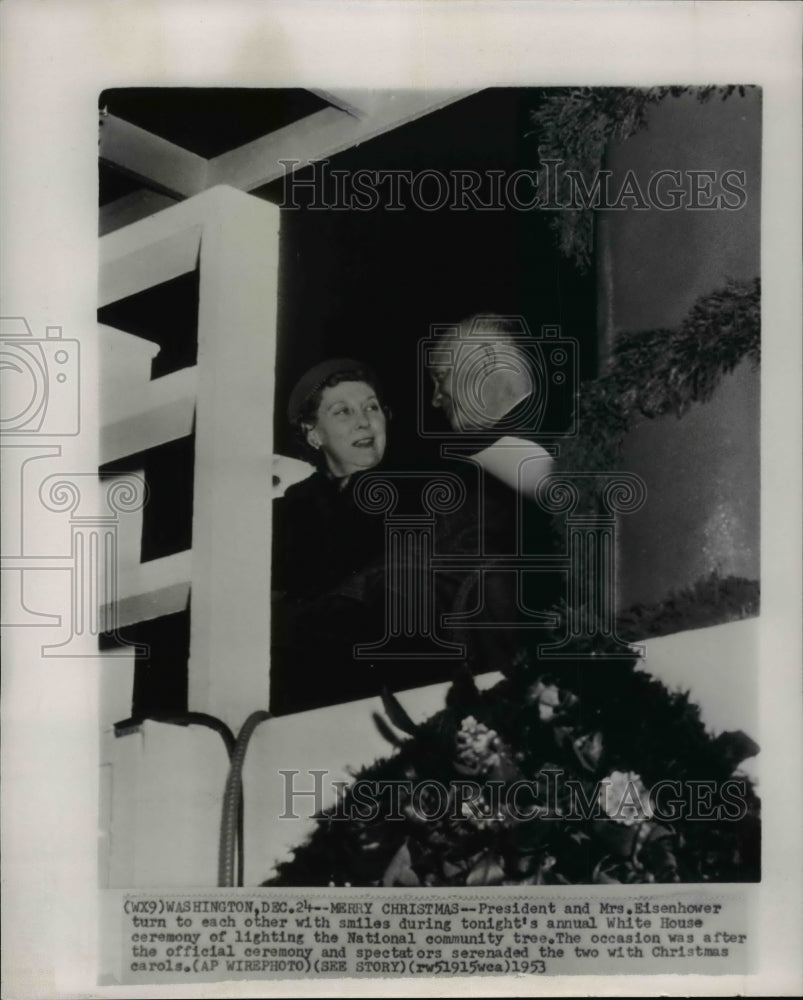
point(312, 380)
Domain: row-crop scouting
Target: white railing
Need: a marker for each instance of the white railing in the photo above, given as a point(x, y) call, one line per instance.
point(228, 397)
point(158, 779)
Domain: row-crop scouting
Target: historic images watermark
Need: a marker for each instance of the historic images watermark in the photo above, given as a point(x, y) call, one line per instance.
point(523, 190)
point(620, 797)
point(41, 383)
point(459, 364)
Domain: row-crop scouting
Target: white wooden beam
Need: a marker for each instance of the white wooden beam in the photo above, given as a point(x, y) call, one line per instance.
point(324, 134)
point(126, 273)
point(356, 116)
point(353, 102)
point(151, 590)
point(137, 412)
point(146, 155)
point(131, 208)
point(230, 615)
point(125, 371)
point(157, 424)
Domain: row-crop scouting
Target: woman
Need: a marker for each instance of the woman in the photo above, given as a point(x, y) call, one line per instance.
point(322, 539)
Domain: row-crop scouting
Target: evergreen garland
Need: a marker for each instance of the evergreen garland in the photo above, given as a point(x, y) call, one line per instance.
point(574, 125)
point(711, 600)
point(579, 721)
point(659, 372)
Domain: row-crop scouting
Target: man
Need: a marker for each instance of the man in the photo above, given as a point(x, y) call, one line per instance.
point(489, 389)
point(488, 385)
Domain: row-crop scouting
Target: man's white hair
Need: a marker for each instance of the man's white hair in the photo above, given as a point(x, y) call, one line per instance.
point(497, 328)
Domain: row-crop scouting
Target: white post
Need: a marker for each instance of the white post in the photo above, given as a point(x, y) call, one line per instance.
point(230, 601)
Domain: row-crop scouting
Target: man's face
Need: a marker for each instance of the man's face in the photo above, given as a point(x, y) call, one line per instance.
point(442, 399)
point(463, 388)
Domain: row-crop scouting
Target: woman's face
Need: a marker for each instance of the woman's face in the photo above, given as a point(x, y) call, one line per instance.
point(349, 428)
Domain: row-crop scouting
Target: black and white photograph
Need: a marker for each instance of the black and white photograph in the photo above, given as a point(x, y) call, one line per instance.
point(498, 459)
point(426, 560)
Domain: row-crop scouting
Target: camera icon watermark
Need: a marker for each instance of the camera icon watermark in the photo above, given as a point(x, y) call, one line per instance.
point(40, 381)
point(489, 375)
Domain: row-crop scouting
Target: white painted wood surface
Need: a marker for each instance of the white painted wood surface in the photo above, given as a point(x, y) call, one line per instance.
point(230, 615)
point(157, 249)
point(162, 785)
point(180, 773)
point(356, 116)
point(716, 664)
point(147, 155)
